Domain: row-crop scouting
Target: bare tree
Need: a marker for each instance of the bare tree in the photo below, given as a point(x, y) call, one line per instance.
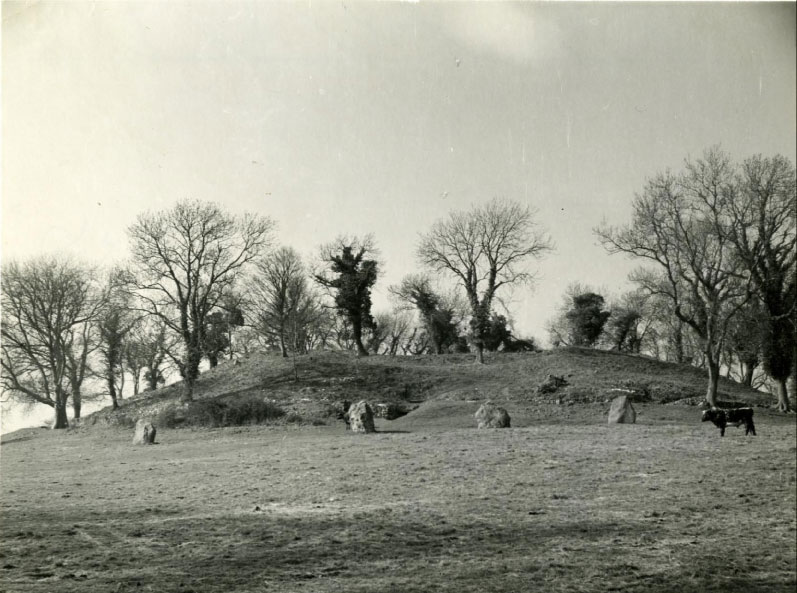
point(144, 350)
point(763, 229)
point(484, 249)
point(277, 292)
point(397, 325)
point(84, 341)
point(185, 260)
point(46, 303)
point(630, 326)
point(675, 224)
point(115, 321)
point(745, 340)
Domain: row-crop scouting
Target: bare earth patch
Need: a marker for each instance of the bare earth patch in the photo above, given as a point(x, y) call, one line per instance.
point(663, 505)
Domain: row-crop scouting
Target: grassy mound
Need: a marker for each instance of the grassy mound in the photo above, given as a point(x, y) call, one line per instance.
point(312, 387)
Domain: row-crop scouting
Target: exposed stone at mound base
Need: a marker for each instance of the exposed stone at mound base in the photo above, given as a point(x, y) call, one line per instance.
point(145, 433)
point(491, 416)
point(389, 411)
point(361, 417)
point(551, 384)
point(622, 412)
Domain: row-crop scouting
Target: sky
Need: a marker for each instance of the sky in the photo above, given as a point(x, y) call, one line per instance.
point(362, 117)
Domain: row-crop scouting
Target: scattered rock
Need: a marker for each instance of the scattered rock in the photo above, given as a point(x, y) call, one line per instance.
point(145, 433)
point(634, 394)
point(622, 412)
point(551, 384)
point(361, 417)
point(389, 411)
point(491, 416)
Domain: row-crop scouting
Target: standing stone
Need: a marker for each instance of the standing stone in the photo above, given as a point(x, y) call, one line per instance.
point(361, 417)
point(622, 412)
point(145, 433)
point(491, 416)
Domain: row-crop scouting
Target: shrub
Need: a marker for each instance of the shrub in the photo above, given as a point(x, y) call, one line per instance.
point(216, 413)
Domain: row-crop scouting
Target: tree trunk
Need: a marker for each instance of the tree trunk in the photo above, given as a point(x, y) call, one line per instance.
point(111, 380)
point(747, 376)
point(136, 377)
point(193, 358)
point(713, 382)
point(60, 420)
point(480, 350)
point(783, 396)
point(679, 343)
point(77, 402)
point(283, 347)
point(152, 377)
point(357, 330)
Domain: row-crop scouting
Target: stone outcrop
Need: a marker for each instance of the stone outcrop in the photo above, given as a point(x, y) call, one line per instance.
point(145, 433)
point(389, 411)
point(551, 384)
point(361, 417)
point(491, 416)
point(622, 412)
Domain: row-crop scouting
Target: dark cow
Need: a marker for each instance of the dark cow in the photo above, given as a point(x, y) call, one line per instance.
point(722, 418)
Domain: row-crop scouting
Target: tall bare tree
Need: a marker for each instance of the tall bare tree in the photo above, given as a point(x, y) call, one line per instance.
point(485, 249)
point(763, 229)
point(46, 305)
point(676, 224)
point(114, 323)
point(185, 260)
point(278, 293)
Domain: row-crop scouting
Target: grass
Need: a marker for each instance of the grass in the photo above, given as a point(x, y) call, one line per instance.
point(561, 502)
point(329, 377)
point(558, 507)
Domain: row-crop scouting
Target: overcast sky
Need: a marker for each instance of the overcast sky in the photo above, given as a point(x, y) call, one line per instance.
point(353, 117)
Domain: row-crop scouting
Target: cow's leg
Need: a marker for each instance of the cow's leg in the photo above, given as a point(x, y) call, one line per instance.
point(722, 430)
point(750, 427)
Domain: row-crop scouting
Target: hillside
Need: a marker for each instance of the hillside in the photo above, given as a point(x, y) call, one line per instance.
point(427, 503)
point(434, 384)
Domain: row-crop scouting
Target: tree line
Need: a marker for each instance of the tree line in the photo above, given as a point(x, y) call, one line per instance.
point(202, 283)
point(719, 287)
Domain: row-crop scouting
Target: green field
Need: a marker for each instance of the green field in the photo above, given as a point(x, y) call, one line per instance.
point(559, 502)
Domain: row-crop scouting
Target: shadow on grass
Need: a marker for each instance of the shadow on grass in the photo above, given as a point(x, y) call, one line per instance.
point(373, 552)
point(5, 442)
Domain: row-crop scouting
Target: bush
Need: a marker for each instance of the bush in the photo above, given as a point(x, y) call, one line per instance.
point(216, 413)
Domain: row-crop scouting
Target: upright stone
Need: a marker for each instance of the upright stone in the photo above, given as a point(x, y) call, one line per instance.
point(491, 416)
point(145, 433)
point(361, 417)
point(622, 412)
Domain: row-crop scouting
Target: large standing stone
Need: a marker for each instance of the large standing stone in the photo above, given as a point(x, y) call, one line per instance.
point(361, 417)
point(491, 416)
point(145, 433)
point(622, 412)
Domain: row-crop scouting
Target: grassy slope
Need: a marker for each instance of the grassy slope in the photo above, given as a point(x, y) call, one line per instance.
point(509, 379)
point(561, 502)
